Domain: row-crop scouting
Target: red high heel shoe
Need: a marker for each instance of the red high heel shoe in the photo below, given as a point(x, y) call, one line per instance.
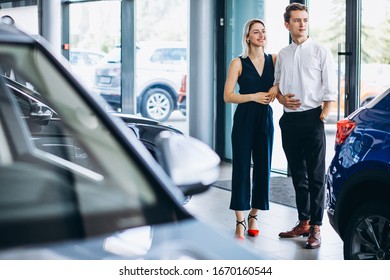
point(242, 223)
point(252, 232)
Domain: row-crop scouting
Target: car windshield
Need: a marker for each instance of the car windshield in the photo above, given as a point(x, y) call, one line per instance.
point(95, 186)
point(381, 102)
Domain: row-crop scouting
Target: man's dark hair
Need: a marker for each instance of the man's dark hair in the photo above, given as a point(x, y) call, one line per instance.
point(293, 7)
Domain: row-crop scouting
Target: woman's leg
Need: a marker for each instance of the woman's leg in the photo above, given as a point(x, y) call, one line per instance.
point(240, 225)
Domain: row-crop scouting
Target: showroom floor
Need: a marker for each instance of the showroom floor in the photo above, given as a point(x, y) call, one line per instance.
point(213, 207)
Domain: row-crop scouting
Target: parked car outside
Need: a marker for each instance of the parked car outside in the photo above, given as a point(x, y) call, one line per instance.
point(159, 69)
point(84, 62)
point(115, 201)
point(358, 181)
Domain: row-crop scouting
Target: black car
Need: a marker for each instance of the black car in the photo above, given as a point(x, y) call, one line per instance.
point(145, 129)
point(108, 200)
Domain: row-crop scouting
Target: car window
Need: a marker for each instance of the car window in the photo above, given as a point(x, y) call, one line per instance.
point(84, 58)
point(77, 180)
point(168, 55)
point(381, 102)
point(384, 103)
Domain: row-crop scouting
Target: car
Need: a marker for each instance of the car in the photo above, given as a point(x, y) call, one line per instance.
point(110, 200)
point(358, 181)
point(145, 129)
point(159, 69)
point(83, 63)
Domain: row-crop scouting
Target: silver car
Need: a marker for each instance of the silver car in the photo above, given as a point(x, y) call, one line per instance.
point(111, 199)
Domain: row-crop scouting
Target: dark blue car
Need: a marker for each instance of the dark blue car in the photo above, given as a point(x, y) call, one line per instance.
point(358, 181)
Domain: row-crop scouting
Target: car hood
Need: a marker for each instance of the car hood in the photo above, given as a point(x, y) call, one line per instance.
point(141, 121)
point(188, 239)
point(135, 119)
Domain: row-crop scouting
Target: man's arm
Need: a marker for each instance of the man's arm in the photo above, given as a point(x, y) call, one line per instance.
point(288, 100)
point(326, 108)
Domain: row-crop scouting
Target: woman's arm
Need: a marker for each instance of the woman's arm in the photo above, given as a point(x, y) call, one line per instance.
point(230, 96)
point(274, 90)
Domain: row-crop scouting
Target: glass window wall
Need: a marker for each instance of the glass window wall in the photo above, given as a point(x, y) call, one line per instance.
point(161, 55)
point(375, 43)
point(331, 33)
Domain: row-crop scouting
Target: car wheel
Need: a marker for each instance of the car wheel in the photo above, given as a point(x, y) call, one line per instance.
point(367, 235)
point(157, 104)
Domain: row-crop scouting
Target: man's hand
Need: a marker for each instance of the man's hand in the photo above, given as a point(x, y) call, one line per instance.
point(326, 108)
point(289, 101)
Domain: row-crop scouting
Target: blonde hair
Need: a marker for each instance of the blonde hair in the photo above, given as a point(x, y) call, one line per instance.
point(245, 33)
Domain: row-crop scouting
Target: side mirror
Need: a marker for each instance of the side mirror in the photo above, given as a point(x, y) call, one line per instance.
point(40, 116)
point(192, 165)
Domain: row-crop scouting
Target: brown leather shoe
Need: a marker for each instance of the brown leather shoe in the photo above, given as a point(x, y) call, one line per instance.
point(314, 240)
point(303, 228)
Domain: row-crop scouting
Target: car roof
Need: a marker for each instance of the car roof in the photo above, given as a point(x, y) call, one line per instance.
point(161, 44)
point(74, 50)
point(10, 34)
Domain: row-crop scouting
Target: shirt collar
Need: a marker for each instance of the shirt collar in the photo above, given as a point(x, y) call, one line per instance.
point(304, 44)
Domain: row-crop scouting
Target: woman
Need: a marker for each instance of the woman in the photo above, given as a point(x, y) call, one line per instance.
point(252, 133)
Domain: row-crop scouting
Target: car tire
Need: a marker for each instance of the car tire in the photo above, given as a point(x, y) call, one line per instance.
point(157, 104)
point(367, 235)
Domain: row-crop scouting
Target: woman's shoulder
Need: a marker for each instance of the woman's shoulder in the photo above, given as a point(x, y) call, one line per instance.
point(235, 65)
point(236, 61)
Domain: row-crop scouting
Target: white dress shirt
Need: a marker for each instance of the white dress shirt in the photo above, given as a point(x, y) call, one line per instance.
point(308, 71)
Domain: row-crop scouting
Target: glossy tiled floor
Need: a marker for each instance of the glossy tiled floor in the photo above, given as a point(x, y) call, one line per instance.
point(213, 207)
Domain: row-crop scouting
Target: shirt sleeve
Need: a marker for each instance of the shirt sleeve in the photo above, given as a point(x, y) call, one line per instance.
point(329, 77)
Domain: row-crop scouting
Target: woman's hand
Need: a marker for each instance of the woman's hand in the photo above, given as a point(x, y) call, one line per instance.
point(273, 91)
point(262, 97)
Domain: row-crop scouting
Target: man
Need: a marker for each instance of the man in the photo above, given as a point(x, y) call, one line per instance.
point(305, 74)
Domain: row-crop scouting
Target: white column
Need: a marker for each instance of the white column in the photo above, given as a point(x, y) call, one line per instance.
point(50, 21)
point(202, 87)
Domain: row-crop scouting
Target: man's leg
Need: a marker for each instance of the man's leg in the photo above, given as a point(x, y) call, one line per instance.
point(292, 146)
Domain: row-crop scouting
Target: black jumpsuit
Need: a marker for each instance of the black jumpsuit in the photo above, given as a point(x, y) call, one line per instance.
point(252, 139)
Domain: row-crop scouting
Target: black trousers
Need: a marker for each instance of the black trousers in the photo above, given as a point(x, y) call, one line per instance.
point(252, 141)
point(303, 140)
